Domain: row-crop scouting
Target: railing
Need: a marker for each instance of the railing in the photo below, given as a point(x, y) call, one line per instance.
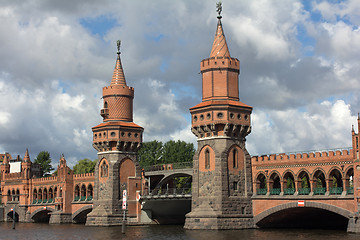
point(171, 191)
point(261, 191)
point(89, 198)
point(319, 191)
point(275, 191)
point(165, 166)
point(82, 198)
point(304, 191)
point(76, 198)
point(350, 190)
point(289, 191)
point(335, 190)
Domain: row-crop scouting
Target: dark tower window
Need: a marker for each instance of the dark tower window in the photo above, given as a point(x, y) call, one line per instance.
point(235, 158)
point(105, 104)
point(207, 159)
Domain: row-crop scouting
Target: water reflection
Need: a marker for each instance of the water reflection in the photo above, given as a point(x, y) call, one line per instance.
point(32, 231)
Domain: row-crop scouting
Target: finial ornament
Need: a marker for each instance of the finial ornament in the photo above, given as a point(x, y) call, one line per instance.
point(219, 8)
point(118, 46)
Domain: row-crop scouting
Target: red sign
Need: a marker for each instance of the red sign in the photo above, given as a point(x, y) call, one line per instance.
point(11, 209)
point(124, 200)
point(301, 203)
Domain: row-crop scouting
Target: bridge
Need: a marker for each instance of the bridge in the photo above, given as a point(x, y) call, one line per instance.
point(286, 188)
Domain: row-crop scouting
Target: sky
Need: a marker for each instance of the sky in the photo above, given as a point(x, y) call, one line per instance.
point(299, 70)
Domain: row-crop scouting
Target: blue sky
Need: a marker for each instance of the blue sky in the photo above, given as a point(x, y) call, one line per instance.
point(299, 70)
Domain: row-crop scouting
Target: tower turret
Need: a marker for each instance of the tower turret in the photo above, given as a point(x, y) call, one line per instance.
point(222, 186)
point(26, 165)
point(117, 141)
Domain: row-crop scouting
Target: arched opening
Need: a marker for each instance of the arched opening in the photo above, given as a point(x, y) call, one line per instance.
point(77, 193)
point(275, 185)
point(304, 217)
point(10, 216)
point(319, 183)
point(104, 169)
point(105, 104)
point(261, 188)
point(207, 159)
point(51, 195)
point(55, 192)
point(303, 183)
point(89, 193)
point(17, 198)
point(289, 183)
point(41, 215)
point(9, 198)
point(81, 215)
point(13, 197)
point(40, 196)
point(34, 196)
point(335, 182)
point(45, 196)
point(83, 193)
point(235, 158)
point(349, 181)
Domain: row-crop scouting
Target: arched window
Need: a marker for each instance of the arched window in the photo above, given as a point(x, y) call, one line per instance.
point(105, 104)
point(34, 195)
point(89, 192)
point(104, 169)
point(17, 195)
point(235, 158)
point(9, 195)
point(207, 159)
point(77, 193)
point(83, 193)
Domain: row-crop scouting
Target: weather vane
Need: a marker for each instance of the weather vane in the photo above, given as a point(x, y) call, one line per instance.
point(219, 8)
point(118, 46)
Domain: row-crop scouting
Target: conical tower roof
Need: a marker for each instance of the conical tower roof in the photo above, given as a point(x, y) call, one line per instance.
point(118, 75)
point(220, 47)
point(26, 157)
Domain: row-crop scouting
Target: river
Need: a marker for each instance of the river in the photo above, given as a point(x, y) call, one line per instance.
point(30, 231)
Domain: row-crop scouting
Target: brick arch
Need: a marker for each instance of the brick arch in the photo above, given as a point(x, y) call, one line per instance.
point(49, 209)
point(334, 168)
point(277, 172)
point(348, 169)
point(318, 169)
point(202, 158)
point(341, 211)
point(289, 171)
point(81, 210)
point(257, 175)
point(303, 170)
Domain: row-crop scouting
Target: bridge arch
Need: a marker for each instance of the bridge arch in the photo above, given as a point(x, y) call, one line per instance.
point(80, 215)
point(340, 212)
point(171, 176)
point(41, 214)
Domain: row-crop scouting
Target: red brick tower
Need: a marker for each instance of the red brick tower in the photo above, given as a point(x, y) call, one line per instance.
point(222, 189)
point(117, 141)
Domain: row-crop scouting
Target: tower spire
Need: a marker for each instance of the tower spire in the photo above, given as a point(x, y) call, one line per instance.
point(26, 157)
point(118, 75)
point(219, 47)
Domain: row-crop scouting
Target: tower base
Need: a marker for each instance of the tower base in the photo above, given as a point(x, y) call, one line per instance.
point(100, 217)
point(205, 218)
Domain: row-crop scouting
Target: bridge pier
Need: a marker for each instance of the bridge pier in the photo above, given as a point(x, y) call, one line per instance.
point(354, 223)
point(60, 217)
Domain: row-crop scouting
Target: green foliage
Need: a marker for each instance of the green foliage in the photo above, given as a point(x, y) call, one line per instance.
point(154, 152)
point(334, 181)
point(319, 183)
point(84, 166)
point(43, 158)
point(290, 183)
point(304, 183)
point(179, 151)
point(182, 182)
point(150, 153)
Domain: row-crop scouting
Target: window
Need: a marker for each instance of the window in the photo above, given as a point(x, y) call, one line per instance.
point(105, 104)
point(235, 158)
point(207, 159)
point(104, 170)
point(235, 186)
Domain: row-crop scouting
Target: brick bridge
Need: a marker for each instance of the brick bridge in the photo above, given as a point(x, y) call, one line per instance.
point(284, 185)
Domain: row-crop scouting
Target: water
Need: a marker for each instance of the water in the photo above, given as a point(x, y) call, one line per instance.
point(30, 231)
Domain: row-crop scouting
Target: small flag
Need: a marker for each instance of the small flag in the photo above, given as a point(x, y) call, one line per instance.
point(301, 203)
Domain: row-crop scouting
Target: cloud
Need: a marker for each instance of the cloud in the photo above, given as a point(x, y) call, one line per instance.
point(53, 69)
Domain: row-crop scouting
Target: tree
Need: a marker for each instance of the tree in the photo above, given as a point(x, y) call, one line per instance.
point(84, 166)
point(150, 153)
point(180, 151)
point(43, 158)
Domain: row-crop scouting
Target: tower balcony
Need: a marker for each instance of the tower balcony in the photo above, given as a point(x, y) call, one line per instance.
point(104, 112)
